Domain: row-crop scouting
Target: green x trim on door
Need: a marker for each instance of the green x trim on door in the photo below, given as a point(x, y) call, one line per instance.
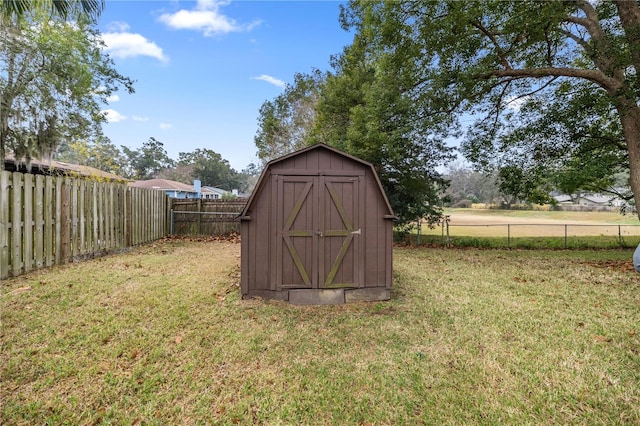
point(287, 233)
point(348, 232)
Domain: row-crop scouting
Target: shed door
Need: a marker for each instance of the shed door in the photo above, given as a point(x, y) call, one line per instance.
point(318, 230)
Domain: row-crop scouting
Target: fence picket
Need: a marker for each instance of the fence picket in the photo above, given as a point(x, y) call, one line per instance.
point(49, 221)
point(75, 215)
point(27, 221)
point(39, 222)
point(16, 224)
point(45, 220)
point(4, 224)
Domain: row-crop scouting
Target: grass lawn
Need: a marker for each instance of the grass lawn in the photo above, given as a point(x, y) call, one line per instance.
point(160, 336)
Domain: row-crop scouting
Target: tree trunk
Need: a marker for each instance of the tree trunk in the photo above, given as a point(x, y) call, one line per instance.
point(630, 118)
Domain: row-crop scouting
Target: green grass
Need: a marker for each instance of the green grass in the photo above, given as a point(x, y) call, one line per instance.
point(160, 336)
point(529, 243)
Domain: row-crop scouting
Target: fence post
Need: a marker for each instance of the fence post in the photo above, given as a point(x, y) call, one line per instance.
point(448, 238)
point(565, 236)
point(16, 224)
point(619, 236)
point(127, 214)
point(199, 206)
point(171, 225)
point(419, 240)
point(65, 217)
point(508, 235)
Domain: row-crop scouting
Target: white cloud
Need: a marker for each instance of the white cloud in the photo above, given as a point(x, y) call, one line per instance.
point(271, 80)
point(113, 116)
point(206, 18)
point(129, 45)
point(165, 126)
point(113, 98)
point(138, 118)
point(118, 27)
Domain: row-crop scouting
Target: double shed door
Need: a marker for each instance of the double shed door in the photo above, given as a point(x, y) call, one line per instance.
point(318, 232)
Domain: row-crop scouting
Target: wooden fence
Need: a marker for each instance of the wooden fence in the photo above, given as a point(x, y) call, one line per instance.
point(205, 217)
point(46, 220)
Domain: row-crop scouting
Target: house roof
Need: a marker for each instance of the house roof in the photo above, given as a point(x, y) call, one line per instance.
point(163, 185)
point(214, 190)
point(54, 167)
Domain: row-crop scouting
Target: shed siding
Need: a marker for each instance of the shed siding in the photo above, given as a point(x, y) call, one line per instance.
point(340, 235)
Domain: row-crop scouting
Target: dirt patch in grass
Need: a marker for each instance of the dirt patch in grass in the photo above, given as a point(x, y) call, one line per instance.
point(160, 336)
point(615, 265)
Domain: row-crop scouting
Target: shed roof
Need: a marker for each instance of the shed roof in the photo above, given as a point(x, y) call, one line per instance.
point(320, 146)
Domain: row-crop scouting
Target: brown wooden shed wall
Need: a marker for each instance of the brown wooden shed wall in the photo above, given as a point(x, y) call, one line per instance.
point(349, 188)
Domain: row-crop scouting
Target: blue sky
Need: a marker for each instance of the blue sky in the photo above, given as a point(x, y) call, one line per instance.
point(204, 68)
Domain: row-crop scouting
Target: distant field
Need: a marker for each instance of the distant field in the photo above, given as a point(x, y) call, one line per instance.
point(511, 216)
point(533, 229)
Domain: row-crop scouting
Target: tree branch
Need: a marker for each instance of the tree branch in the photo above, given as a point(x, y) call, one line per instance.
point(581, 42)
point(501, 52)
point(611, 85)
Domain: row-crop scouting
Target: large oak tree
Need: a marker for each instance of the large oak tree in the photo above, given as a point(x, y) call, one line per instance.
point(476, 58)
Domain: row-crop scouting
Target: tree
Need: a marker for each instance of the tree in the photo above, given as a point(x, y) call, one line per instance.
point(101, 154)
point(211, 169)
point(478, 57)
point(468, 184)
point(285, 122)
point(63, 9)
point(523, 184)
point(53, 77)
point(364, 110)
point(574, 138)
point(148, 161)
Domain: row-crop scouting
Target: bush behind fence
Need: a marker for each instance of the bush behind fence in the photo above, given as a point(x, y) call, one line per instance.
point(47, 220)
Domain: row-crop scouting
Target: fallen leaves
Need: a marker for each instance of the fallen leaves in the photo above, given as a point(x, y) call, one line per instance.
point(602, 339)
point(232, 237)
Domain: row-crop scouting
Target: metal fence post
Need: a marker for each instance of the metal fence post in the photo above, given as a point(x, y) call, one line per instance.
point(508, 236)
point(619, 236)
point(448, 238)
point(565, 236)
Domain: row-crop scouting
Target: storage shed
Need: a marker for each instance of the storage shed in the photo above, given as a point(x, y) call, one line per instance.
point(317, 230)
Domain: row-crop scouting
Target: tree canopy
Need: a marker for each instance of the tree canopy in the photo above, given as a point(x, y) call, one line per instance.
point(148, 161)
point(483, 60)
point(53, 79)
point(63, 9)
point(284, 123)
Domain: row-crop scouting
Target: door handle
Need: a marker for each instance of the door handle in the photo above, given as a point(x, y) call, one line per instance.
point(358, 232)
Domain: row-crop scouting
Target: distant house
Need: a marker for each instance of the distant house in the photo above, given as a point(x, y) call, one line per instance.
point(213, 193)
point(589, 200)
point(57, 168)
point(172, 188)
point(563, 199)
